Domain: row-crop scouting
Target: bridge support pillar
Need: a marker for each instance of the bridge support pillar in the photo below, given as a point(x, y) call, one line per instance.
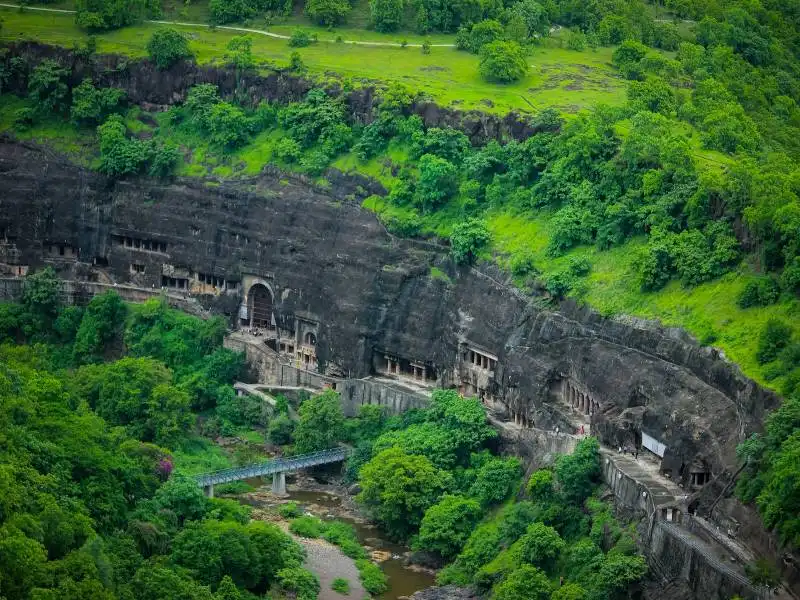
point(279, 484)
point(209, 490)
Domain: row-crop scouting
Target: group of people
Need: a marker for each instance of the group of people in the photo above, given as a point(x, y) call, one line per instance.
point(632, 450)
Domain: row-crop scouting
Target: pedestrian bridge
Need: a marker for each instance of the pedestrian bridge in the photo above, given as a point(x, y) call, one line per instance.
point(277, 467)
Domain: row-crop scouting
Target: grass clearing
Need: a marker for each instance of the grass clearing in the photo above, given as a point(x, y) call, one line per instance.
point(200, 455)
point(563, 79)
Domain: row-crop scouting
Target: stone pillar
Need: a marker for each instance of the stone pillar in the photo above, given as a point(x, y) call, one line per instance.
point(388, 365)
point(209, 490)
point(279, 484)
point(587, 402)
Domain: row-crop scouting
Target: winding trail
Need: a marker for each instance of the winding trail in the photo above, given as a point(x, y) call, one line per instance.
point(243, 29)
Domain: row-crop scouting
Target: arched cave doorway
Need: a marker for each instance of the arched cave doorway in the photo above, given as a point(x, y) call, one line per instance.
point(311, 339)
point(259, 306)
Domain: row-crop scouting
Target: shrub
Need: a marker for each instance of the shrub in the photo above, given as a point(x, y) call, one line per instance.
point(447, 525)
point(289, 510)
point(341, 586)
point(483, 33)
point(775, 336)
point(307, 527)
point(301, 39)
point(167, 46)
point(372, 577)
point(47, 88)
point(503, 62)
point(759, 292)
point(281, 430)
point(228, 125)
point(576, 41)
point(627, 58)
point(302, 582)
point(119, 155)
point(426, 47)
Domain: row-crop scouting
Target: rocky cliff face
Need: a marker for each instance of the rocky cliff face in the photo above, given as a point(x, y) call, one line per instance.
point(152, 88)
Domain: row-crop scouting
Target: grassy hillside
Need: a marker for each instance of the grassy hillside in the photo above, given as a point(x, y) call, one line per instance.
point(559, 78)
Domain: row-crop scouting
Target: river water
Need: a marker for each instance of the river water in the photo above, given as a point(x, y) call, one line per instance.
point(404, 580)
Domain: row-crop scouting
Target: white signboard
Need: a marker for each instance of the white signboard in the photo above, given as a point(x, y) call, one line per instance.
point(653, 445)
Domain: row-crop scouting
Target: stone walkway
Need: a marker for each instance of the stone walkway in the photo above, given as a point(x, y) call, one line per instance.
point(662, 490)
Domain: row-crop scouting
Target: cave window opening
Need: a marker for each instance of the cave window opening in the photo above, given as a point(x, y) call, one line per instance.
point(259, 305)
point(310, 339)
point(137, 268)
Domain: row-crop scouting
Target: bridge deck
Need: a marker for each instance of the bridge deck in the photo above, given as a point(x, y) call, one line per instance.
point(278, 465)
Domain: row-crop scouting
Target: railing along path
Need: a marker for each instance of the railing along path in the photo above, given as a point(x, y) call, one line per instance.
point(278, 465)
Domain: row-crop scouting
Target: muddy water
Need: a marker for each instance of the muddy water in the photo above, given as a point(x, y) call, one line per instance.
point(404, 580)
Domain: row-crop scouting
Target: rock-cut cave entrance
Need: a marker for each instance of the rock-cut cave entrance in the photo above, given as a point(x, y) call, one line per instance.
point(259, 306)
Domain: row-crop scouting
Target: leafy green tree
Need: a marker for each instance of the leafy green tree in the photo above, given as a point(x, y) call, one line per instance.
point(321, 423)
point(525, 583)
point(109, 14)
point(577, 473)
point(228, 125)
point(496, 480)
point(281, 430)
point(534, 15)
point(101, 328)
point(653, 94)
point(152, 582)
point(240, 50)
point(41, 300)
point(503, 62)
point(327, 12)
point(47, 88)
point(483, 545)
point(627, 58)
point(22, 562)
point(447, 525)
point(167, 46)
point(541, 546)
point(300, 582)
point(483, 33)
point(91, 105)
point(569, 591)
point(228, 11)
point(762, 291)
point(618, 573)
point(227, 590)
point(774, 337)
point(438, 181)
point(386, 15)
point(467, 240)
point(541, 486)
point(119, 155)
point(398, 488)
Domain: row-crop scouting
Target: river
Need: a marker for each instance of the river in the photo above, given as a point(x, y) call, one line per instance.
point(325, 501)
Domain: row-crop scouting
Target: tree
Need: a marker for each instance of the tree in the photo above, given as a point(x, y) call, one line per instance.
point(438, 181)
point(228, 125)
point(447, 525)
point(241, 52)
point(617, 573)
point(484, 33)
point(227, 590)
point(101, 327)
point(541, 486)
point(47, 88)
point(495, 481)
point(525, 583)
point(398, 488)
point(541, 545)
point(168, 46)
point(91, 105)
point(300, 582)
point(41, 299)
point(228, 11)
point(280, 430)
point(569, 591)
point(386, 15)
point(774, 337)
point(109, 14)
point(503, 62)
point(534, 15)
point(118, 155)
point(22, 562)
point(327, 12)
point(627, 58)
point(578, 472)
point(321, 423)
point(467, 240)
point(653, 94)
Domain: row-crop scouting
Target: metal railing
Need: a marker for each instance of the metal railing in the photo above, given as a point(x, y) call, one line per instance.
point(278, 465)
point(719, 566)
